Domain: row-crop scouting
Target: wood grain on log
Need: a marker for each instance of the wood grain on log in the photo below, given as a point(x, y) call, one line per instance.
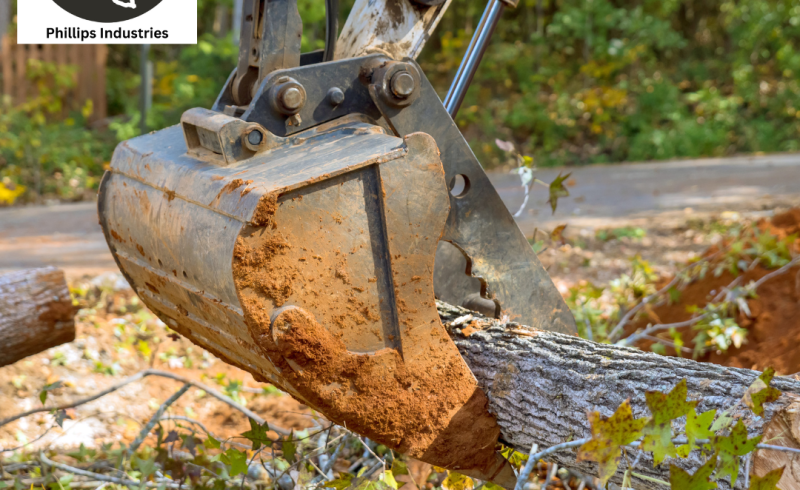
point(542, 385)
point(36, 313)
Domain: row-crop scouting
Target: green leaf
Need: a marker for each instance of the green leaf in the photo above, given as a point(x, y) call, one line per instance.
point(658, 348)
point(674, 294)
point(48, 387)
point(3, 484)
point(399, 468)
point(682, 480)
point(211, 443)
point(340, 483)
point(236, 459)
point(557, 190)
point(147, 467)
point(760, 392)
point(768, 481)
point(289, 450)
point(63, 483)
point(457, 481)
point(83, 454)
point(665, 408)
point(257, 434)
point(373, 485)
point(608, 436)
point(729, 448)
point(723, 422)
point(697, 426)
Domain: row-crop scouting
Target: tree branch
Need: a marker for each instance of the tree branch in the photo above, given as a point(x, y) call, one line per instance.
point(138, 376)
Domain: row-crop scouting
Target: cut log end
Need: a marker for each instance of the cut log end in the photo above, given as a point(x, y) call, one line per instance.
point(782, 430)
point(36, 313)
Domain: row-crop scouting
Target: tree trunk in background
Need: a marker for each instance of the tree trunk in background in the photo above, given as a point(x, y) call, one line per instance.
point(541, 386)
point(5, 16)
point(36, 313)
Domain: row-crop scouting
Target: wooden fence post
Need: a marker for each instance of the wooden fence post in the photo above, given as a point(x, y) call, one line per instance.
point(90, 78)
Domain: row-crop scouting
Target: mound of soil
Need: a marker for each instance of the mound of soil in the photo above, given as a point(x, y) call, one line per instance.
point(773, 337)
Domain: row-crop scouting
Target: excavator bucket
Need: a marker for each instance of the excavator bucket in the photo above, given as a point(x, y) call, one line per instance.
point(293, 228)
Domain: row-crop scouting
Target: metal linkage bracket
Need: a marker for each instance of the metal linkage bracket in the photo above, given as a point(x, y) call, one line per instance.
point(224, 139)
point(397, 95)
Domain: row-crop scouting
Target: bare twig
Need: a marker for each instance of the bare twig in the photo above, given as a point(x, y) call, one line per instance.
point(667, 343)
point(367, 474)
point(104, 478)
point(96, 485)
point(522, 479)
point(633, 338)
point(310, 454)
point(777, 272)
point(193, 422)
point(30, 442)
point(138, 376)
point(550, 475)
point(173, 418)
point(633, 311)
point(560, 447)
point(154, 419)
point(747, 471)
point(778, 448)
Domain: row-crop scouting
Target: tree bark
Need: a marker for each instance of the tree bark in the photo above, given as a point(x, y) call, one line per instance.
point(36, 313)
point(542, 385)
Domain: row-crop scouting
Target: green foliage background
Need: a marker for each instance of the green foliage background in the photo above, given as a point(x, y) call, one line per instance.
point(569, 81)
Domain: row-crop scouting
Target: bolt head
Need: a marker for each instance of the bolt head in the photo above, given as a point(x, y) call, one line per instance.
point(335, 96)
point(403, 84)
point(255, 137)
point(292, 98)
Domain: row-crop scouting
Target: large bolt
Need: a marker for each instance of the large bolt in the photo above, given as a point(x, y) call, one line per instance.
point(403, 84)
point(292, 98)
point(255, 137)
point(335, 96)
point(289, 97)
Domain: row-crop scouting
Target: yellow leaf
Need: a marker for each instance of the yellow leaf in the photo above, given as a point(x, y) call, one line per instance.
point(609, 434)
point(457, 481)
point(8, 195)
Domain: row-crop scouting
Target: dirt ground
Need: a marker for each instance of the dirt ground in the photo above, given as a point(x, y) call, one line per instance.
point(107, 349)
point(773, 320)
point(116, 338)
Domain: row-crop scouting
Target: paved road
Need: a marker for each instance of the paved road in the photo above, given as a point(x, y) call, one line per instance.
point(651, 190)
point(68, 235)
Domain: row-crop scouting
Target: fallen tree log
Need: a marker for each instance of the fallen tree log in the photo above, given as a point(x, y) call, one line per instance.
point(36, 313)
point(542, 385)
